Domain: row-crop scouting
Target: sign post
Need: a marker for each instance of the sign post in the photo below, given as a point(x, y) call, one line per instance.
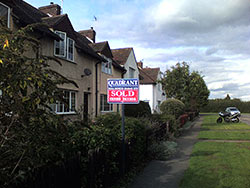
point(123, 91)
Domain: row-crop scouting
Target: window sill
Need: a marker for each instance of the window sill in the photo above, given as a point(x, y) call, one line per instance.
point(62, 58)
point(65, 113)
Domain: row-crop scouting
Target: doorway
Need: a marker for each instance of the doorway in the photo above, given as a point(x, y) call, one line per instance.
point(85, 106)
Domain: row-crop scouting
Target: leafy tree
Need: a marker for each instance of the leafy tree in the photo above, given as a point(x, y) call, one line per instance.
point(188, 87)
point(30, 135)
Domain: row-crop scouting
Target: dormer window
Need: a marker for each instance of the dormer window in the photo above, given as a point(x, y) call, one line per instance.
point(5, 15)
point(107, 67)
point(65, 47)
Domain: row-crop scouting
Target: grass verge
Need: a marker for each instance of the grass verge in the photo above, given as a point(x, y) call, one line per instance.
point(218, 165)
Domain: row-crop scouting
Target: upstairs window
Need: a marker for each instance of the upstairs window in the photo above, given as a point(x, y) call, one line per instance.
point(70, 54)
point(5, 14)
point(65, 47)
point(60, 46)
point(107, 67)
point(131, 72)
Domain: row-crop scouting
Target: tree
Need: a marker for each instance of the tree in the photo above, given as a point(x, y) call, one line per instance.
point(29, 132)
point(188, 87)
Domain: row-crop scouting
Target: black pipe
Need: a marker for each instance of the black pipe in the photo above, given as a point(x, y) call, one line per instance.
point(96, 88)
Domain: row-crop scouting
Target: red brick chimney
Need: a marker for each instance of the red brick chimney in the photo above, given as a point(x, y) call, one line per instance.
point(140, 64)
point(90, 34)
point(51, 10)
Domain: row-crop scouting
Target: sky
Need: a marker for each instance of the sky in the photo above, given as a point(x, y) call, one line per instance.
point(212, 36)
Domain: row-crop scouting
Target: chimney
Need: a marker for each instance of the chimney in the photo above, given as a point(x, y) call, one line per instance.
point(140, 64)
point(90, 34)
point(51, 10)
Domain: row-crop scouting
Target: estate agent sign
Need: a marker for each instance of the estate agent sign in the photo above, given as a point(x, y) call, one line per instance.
point(123, 91)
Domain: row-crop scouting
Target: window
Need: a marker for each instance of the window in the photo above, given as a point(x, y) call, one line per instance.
point(5, 14)
point(60, 46)
point(70, 49)
point(64, 48)
point(105, 107)
point(131, 72)
point(107, 67)
point(69, 104)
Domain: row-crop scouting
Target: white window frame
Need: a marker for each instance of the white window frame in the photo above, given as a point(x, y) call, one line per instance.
point(70, 109)
point(59, 33)
point(107, 67)
point(102, 104)
point(68, 46)
point(66, 41)
point(8, 20)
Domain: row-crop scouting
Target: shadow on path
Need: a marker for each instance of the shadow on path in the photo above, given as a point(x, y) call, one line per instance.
point(163, 174)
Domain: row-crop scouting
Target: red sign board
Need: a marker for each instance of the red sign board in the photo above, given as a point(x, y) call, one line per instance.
point(123, 91)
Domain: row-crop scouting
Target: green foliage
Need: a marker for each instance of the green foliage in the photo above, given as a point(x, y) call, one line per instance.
point(138, 110)
point(217, 105)
point(188, 87)
point(172, 107)
point(30, 136)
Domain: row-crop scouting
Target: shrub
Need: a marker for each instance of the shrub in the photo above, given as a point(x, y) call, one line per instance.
point(138, 110)
point(172, 107)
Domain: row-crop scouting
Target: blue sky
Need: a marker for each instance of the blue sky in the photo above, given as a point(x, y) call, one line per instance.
point(212, 36)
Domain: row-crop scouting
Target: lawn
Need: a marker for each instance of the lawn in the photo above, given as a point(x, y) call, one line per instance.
point(218, 165)
point(210, 123)
point(225, 135)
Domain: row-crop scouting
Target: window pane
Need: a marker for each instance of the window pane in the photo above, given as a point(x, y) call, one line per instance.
point(66, 101)
point(4, 14)
point(73, 101)
point(131, 72)
point(60, 46)
point(70, 49)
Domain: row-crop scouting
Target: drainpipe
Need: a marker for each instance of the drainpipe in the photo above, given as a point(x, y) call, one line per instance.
point(96, 88)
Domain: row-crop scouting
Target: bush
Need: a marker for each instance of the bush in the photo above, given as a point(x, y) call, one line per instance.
point(138, 110)
point(172, 107)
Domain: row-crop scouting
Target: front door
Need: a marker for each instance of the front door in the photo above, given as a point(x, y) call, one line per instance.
point(86, 106)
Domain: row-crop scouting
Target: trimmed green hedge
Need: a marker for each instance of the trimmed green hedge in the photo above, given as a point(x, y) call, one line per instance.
point(217, 105)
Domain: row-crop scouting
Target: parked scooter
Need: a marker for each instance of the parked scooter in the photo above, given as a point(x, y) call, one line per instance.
point(228, 117)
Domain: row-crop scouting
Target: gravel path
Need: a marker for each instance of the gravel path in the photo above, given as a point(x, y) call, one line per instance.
point(167, 174)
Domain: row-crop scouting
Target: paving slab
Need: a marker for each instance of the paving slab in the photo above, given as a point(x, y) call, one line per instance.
point(167, 174)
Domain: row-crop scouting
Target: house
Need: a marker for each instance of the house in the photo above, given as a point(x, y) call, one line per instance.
point(60, 40)
point(106, 70)
point(150, 89)
point(126, 58)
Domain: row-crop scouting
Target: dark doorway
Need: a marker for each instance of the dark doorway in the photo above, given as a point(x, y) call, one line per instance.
point(86, 106)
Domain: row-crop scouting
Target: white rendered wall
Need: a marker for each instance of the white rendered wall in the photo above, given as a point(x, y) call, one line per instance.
point(131, 62)
point(146, 94)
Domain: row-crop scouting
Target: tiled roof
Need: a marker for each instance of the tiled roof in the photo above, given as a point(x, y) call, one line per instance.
point(90, 33)
point(27, 14)
point(98, 47)
point(150, 75)
point(103, 48)
point(82, 45)
point(121, 55)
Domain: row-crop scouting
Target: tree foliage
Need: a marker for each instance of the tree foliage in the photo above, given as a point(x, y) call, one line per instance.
point(189, 87)
point(30, 135)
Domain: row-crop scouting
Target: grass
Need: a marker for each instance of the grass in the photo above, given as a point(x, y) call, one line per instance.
point(218, 165)
point(225, 135)
point(210, 124)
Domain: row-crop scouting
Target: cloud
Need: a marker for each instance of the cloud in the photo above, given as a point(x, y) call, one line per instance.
point(212, 36)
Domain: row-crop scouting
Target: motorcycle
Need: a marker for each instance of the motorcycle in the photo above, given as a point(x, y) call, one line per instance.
point(228, 117)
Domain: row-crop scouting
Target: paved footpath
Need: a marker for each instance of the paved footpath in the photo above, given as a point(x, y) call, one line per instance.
point(167, 174)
